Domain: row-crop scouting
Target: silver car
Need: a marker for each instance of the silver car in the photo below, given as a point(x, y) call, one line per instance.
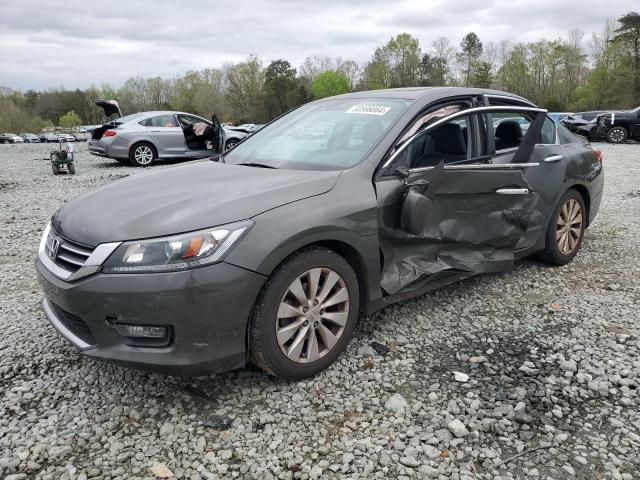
point(141, 138)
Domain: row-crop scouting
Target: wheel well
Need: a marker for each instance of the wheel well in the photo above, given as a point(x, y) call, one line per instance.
point(584, 192)
point(347, 252)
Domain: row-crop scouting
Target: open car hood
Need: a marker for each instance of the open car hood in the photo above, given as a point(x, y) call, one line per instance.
point(183, 198)
point(110, 107)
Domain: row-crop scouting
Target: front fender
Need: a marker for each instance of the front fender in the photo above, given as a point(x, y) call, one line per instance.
point(324, 218)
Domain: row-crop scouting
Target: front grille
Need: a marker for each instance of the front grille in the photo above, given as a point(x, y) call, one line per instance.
point(75, 324)
point(66, 254)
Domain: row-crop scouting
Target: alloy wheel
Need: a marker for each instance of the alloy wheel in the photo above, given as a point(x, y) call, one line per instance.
point(312, 315)
point(143, 155)
point(616, 135)
point(569, 226)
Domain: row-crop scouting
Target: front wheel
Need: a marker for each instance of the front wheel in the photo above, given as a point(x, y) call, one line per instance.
point(616, 135)
point(142, 155)
point(230, 144)
point(566, 230)
point(305, 315)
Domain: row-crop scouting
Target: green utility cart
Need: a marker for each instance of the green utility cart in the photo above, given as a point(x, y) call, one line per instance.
point(62, 159)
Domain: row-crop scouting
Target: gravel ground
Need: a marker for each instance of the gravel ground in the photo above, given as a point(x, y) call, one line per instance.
point(549, 355)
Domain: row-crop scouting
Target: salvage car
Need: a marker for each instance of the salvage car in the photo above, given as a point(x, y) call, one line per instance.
point(65, 137)
point(10, 138)
point(344, 205)
point(141, 138)
point(48, 138)
point(618, 127)
point(30, 138)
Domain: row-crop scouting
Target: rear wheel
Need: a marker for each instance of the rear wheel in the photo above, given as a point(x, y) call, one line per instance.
point(55, 169)
point(142, 155)
point(566, 230)
point(72, 168)
point(304, 315)
point(616, 135)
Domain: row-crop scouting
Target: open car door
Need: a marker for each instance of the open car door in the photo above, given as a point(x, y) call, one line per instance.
point(446, 211)
point(218, 134)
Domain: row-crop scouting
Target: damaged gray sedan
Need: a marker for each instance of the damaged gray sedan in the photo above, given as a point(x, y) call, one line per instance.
point(344, 205)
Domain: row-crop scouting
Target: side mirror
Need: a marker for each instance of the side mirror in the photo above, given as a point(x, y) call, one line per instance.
point(415, 210)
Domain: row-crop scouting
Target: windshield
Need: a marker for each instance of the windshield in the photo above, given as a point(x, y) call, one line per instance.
point(329, 135)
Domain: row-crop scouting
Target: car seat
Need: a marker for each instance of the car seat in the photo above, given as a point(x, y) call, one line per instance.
point(508, 134)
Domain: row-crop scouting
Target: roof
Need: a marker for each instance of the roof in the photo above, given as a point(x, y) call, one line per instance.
point(413, 93)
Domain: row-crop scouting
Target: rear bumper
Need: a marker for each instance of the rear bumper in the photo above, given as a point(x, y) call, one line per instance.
point(101, 148)
point(206, 311)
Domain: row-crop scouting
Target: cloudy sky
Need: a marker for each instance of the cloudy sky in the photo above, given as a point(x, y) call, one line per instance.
point(71, 43)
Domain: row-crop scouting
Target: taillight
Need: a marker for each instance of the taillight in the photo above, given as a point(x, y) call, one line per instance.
point(598, 153)
point(109, 133)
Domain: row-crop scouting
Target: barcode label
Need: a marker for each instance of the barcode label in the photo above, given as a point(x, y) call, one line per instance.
point(369, 109)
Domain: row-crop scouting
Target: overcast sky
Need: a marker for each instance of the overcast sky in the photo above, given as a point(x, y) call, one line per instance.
point(71, 43)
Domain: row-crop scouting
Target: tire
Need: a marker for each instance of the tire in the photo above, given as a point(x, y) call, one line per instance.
point(616, 134)
point(55, 169)
point(142, 154)
point(294, 356)
point(230, 144)
point(563, 245)
point(72, 168)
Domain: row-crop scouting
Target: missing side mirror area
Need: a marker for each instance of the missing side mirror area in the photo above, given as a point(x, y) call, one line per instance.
point(415, 210)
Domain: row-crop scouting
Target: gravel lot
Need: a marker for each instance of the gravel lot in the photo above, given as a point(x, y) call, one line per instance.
point(551, 356)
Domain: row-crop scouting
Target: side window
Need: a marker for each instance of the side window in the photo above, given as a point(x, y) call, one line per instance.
point(187, 120)
point(509, 129)
point(145, 123)
point(449, 142)
point(163, 121)
point(548, 134)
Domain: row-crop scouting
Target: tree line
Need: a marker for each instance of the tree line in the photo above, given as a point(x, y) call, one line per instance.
point(574, 73)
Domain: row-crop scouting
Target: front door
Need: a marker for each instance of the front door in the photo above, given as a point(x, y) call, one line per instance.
point(476, 213)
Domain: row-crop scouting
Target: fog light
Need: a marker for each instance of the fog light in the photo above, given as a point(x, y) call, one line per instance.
point(142, 331)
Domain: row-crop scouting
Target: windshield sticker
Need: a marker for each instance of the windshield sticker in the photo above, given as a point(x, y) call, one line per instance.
point(369, 109)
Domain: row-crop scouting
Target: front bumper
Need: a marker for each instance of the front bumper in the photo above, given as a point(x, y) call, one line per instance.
point(206, 309)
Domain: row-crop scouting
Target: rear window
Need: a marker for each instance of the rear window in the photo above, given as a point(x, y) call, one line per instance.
point(128, 118)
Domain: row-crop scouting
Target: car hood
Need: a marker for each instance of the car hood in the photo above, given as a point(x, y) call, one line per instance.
point(184, 198)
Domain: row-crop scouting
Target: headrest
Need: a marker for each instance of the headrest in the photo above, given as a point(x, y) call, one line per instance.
point(509, 130)
point(450, 139)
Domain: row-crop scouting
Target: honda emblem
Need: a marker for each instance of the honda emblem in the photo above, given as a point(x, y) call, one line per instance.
point(55, 245)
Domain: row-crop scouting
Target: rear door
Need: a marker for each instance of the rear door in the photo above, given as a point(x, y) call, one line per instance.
point(167, 135)
point(476, 213)
point(539, 147)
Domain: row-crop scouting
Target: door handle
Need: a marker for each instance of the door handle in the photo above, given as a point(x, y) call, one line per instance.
point(553, 159)
point(513, 191)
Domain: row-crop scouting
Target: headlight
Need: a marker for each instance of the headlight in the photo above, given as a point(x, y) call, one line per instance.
point(177, 252)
